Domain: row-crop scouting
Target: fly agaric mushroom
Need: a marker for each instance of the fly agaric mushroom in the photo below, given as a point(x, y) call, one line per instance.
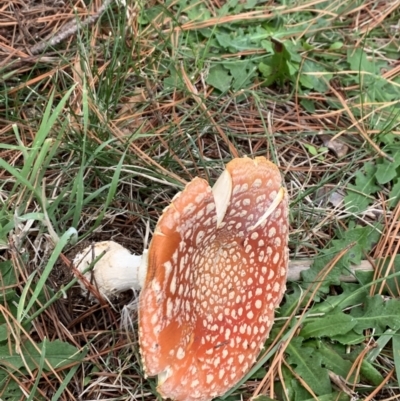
point(217, 268)
point(116, 271)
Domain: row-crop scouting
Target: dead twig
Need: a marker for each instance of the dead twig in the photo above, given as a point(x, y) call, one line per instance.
point(68, 30)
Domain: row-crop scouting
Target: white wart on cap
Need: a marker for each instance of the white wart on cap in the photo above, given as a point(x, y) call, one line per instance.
point(216, 272)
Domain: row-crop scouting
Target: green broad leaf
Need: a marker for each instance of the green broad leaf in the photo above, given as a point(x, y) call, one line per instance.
point(379, 89)
point(307, 46)
point(386, 170)
point(299, 392)
point(10, 360)
point(388, 92)
point(365, 184)
point(229, 7)
point(329, 325)
point(267, 46)
point(4, 332)
point(265, 69)
point(58, 354)
point(281, 66)
point(350, 338)
point(335, 396)
point(291, 51)
point(5, 327)
point(309, 366)
point(396, 353)
point(250, 4)
point(356, 202)
point(309, 105)
point(8, 279)
point(365, 179)
point(174, 80)
point(306, 81)
point(199, 12)
point(393, 283)
point(336, 46)
point(13, 309)
point(333, 361)
point(364, 277)
point(291, 301)
point(351, 295)
point(362, 239)
point(239, 40)
point(293, 69)
point(312, 150)
point(370, 373)
point(219, 78)
point(378, 314)
point(310, 276)
point(367, 371)
point(395, 193)
point(284, 389)
point(242, 72)
point(148, 15)
point(311, 78)
point(358, 62)
point(259, 374)
point(10, 390)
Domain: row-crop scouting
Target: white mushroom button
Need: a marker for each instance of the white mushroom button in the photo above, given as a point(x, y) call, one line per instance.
point(116, 271)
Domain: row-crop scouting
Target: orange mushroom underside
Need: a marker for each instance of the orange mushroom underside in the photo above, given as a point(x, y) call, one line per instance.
point(210, 294)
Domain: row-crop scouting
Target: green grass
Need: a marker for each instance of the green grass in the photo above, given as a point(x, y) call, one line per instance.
point(99, 135)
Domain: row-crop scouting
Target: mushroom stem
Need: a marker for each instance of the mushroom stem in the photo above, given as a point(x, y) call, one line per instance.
point(119, 270)
point(116, 270)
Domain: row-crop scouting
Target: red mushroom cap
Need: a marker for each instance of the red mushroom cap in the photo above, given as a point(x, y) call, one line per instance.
point(211, 289)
